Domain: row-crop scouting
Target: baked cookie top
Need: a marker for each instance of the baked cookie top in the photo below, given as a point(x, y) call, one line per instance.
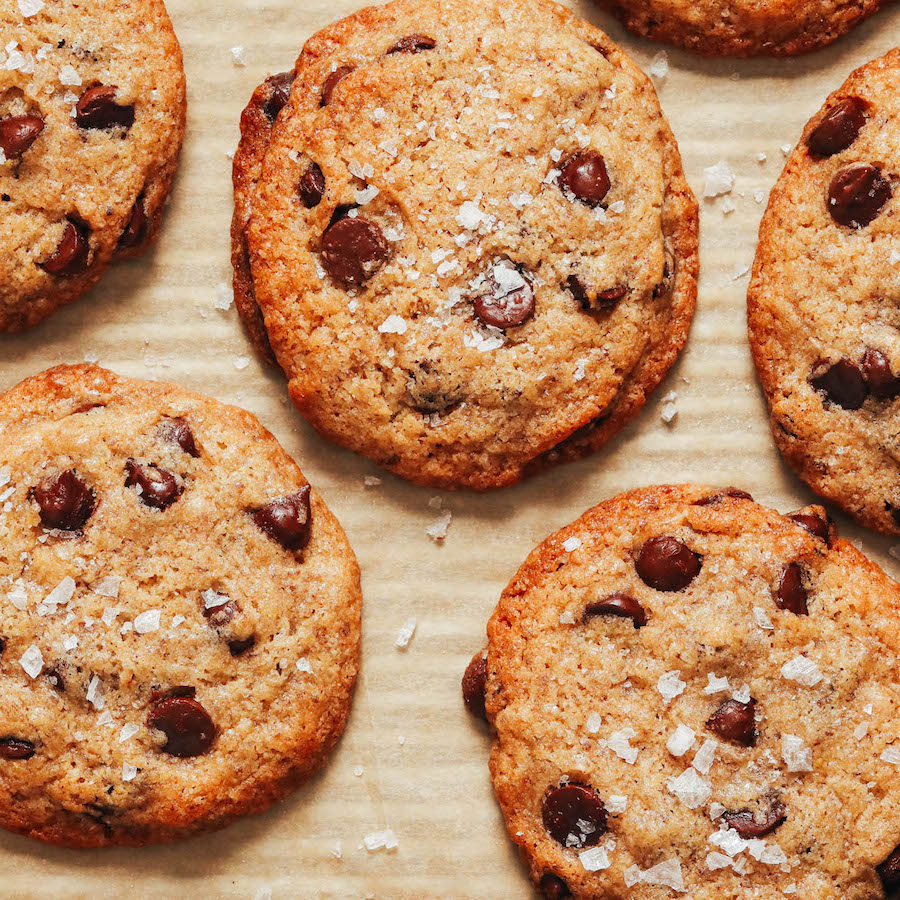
point(179, 612)
point(693, 695)
point(92, 109)
point(822, 302)
point(470, 233)
point(743, 27)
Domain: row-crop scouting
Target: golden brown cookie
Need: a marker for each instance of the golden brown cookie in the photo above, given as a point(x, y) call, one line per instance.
point(92, 113)
point(822, 303)
point(471, 238)
point(179, 613)
point(692, 695)
point(743, 27)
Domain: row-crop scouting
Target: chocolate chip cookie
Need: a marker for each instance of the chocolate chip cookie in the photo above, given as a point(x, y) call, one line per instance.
point(822, 303)
point(692, 695)
point(92, 112)
point(179, 613)
point(469, 236)
point(743, 27)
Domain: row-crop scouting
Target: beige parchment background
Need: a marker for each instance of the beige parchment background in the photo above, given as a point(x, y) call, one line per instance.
point(424, 763)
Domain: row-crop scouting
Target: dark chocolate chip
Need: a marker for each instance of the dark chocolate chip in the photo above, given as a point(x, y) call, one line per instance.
point(238, 646)
point(735, 721)
point(792, 595)
point(554, 888)
point(667, 564)
point(584, 175)
point(279, 92)
point(332, 81)
point(353, 250)
point(287, 520)
point(15, 748)
point(591, 299)
point(66, 500)
point(841, 383)
point(188, 728)
point(413, 43)
point(474, 685)
point(2, 645)
point(18, 133)
point(857, 194)
point(311, 186)
point(747, 826)
point(839, 128)
point(97, 108)
point(574, 815)
point(880, 379)
point(159, 488)
point(71, 254)
point(506, 308)
point(136, 228)
point(817, 526)
point(733, 492)
point(621, 605)
point(177, 431)
point(889, 873)
point(220, 616)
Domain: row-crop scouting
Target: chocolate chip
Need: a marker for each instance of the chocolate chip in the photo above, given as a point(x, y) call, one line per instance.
point(66, 501)
point(889, 872)
point(473, 685)
point(574, 815)
point(857, 194)
point(177, 431)
point(792, 595)
point(18, 133)
point(817, 526)
point(159, 488)
point(279, 92)
point(136, 228)
point(56, 679)
point(188, 728)
point(2, 645)
point(287, 520)
point(618, 604)
point(592, 299)
point(668, 276)
point(97, 108)
point(841, 383)
point(554, 888)
point(353, 250)
point(16, 748)
point(733, 492)
point(332, 81)
point(881, 380)
point(71, 254)
point(413, 43)
point(584, 175)
point(735, 721)
point(507, 304)
point(747, 826)
point(220, 616)
point(839, 128)
point(179, 690)
point(311, 186)
point(666, 564)
point(238, 646)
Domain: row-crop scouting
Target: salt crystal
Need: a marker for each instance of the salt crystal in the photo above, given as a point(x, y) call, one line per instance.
point(366, 195)
point(665, 874)
point(470, 216)
point(357, 771)
point(18, 596)
point(681, 740)
point(719, 179)
point(147, 621)
point(715, 684)
point(761, 618)
point(380, 840)
point(861, 731)
point(690, 789)
point(772, 855)
point(237, 56)
point(659, 65)
point(62, 593)
point(437, 530)
point(404, 636)
point(70, 643)
point(32, 661)
point(594, 859)
point(668, 412)
point(177, 620)
point(742, 695)
point(593, 723)
point(716, 860)
point(796, 754)
point(304, 666)
point(110, 614)
point(68, 76)
point(616, 804)
point(705, 756)
point(224, 297)
point(128, 771)
point(618, 742)
point(241, 363)
point(670, 685)
point(129, 730)
point(567, 617)
point(891, 755)
point(212, 599)
point(802, 670)
point(393, 324)
point(30, 8)
point(716, 810)
point(371, 480)
point(107, 587)
point(95, 694)
point(572, 543)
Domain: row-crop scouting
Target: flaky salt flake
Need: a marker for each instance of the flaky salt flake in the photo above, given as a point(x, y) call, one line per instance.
point(521, 200)
point(681, 740)
point(371, 480)
point(719, 179)
point(393, 324)
point(237, 56)
point(337, 851)
point(224, 297)
point(471, 217)
point(177, 620)
point(861, 731)
point(18, 596)
point(802, 670)
point(572, 543)
point(437, 530)
point(796, 754)
point(30, 8)
point(717, 860)
point(147, 621)
point(5, 476)
point(715, 810)
point(738, 271)
point(891, 755)
point(772, 855)
point(70, 643)
point(366, 195)
point(68, 76)
point(659, 65)
point(128, 771)
point(212, 599)
point(128, 731)
point(304, 666)
point(593, 723)
point(670, 685)
point(105, 718)
point(616, 804)
point(380, 840)
point(107, 587)
point(741, 694)
point(241, 362)
point(405, 635)
point(594, 859)
point(668, 412)
point(761, 618)
point(32, 661)
point(665, 874)
point(95, 695)
point(705, 757)
point(690, 789)
point(62, 593)
point(110, 614)
point(729, 840)
point(715, 684)
point(894, 258)
point(618, 742)
point(567, 617)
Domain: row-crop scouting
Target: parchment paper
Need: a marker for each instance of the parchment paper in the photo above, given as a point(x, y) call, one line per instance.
point(423, 763)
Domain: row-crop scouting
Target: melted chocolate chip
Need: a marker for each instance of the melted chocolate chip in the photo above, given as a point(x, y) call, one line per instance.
point(841, 383)
point(311, 186)
point(735, 721)
point(71, 254)
point(889, 873)
point(839, 128)
point(97, 108)
point(159, 488)
point(591, 299)
point(817, 526)
point(287, 520)
point(177, 431)
point(136, 228)
point(574, 815)
point(554, 888)
point(621, 605)
point(666, 564)
point(220, 616)
point(507, 304)
point(66, 501)
point(238, 646)
point(473, 685)
point(857, 195)
point(279, 92)
point(188, 728)
point(733, 492)
point(585, 176)
point(413, 43)
point(18, 133)
point(747, 826)
point(332, 81)
point(353, 250)
point(792, 595)
point(877, 372)
point(15, 748)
